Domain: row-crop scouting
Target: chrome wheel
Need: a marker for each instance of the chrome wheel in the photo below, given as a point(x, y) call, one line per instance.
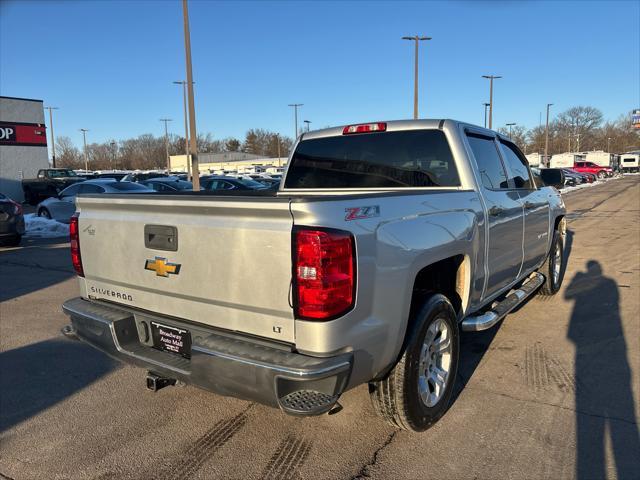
point(435, 363)
point(44, 213)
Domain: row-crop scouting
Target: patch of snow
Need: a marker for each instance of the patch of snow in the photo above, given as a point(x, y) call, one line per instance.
point(588, 185)
point(40, 227)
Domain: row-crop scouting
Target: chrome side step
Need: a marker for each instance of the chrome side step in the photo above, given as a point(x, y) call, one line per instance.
point(488, 319)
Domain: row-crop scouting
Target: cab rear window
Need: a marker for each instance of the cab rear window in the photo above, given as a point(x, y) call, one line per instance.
point(405, 159)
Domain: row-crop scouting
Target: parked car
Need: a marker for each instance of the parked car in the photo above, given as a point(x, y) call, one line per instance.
point(383, 243)
point(590, 167)
point(569, 181)
point(214, 182)
point(62, 206)
point(588, 177)
point(578, 178)
point(48, 183)
point(167, 184)
point(11, 222)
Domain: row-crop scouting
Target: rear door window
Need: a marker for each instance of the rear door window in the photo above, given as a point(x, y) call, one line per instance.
point(492, 172)
point(402, 159)
point(517, 164)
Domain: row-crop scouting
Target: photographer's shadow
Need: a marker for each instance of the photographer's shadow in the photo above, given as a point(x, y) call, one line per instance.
point(604, 397)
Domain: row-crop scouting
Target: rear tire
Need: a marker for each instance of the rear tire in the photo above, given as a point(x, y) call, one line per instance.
point(417, 392)
point(43, 212)
point(553, 267)
point(601, 175)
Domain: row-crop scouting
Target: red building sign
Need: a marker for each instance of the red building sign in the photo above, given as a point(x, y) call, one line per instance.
point(23, 134)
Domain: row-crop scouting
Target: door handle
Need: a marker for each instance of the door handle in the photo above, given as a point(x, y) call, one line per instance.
point(495, 211)
point(529, 205)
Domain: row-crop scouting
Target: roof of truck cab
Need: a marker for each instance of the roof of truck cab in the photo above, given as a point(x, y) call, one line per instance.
point(397, 125)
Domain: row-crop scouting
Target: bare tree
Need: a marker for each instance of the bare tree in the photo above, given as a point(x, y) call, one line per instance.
point(68, 156)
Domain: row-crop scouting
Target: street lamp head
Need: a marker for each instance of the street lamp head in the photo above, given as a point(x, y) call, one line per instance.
point(510, 124)
point(425, 38)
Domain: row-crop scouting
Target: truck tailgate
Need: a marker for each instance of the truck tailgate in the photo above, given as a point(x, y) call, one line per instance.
point(228, 267)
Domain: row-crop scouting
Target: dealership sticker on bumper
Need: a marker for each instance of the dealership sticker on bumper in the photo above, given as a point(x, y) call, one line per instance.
point(171, 339)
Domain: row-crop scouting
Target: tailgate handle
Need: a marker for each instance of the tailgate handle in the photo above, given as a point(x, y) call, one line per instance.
point(161, 237)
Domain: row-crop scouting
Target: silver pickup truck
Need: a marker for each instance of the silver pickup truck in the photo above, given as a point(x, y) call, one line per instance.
point(382, 243)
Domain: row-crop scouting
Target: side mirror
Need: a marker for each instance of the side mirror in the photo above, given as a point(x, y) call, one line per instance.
point(552, 177)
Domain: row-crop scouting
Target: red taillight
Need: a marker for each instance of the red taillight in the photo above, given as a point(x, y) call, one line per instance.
point(365, 128)
point(324, 273)
point(74, 237)
point(18, 208)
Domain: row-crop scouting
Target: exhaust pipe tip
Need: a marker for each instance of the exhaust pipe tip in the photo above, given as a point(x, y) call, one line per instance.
point(157, 382)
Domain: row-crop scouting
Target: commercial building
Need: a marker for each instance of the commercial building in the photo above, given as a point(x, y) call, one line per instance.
point(23, 143)
point(231, 161)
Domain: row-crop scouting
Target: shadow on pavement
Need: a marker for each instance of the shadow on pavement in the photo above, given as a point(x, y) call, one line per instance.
point(34, 265)
point(38, 376)
point(604, 398)
point(474, 345)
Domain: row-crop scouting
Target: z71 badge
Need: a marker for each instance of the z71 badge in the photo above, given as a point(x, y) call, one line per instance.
point(358, 213)
point(162, 267)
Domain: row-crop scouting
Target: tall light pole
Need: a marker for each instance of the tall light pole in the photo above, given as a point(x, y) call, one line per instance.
point(166, 142)
point(195, 171)
point(546, 136)
point(608, 143)
point(491, 78)
point(114, 164)
point(295, 110)
point(485, 114)
point(84, 139)
point(578, 142)
point(186, 125)
point(53, 138)
point(417, 39)
point(510, 125)
point(308, 122)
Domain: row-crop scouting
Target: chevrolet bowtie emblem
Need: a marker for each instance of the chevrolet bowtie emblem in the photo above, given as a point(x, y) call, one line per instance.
point(162, 267)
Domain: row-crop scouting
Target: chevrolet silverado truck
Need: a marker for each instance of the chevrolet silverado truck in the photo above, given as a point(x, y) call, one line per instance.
point(49, 183)
point(384, 241)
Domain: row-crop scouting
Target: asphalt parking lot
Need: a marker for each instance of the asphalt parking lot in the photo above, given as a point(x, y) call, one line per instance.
point(553, 392)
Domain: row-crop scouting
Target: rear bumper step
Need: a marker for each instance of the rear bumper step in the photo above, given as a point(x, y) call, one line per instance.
point(488, 319)
point(298, 384)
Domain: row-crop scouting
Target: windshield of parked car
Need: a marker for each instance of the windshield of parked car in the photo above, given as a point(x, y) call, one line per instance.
point(62, 173)
point(403, 159)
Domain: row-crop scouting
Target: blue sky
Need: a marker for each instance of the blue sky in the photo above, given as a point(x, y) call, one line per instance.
point(108, 66)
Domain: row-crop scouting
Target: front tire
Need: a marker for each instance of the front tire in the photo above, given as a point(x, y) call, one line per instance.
point(601, 175)
point(43, 212)
point(417, 392)
point(553, 267)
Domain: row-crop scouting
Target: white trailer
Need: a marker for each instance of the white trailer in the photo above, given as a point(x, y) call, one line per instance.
point(630, 162)
point(600, 158)
point(565, 160)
